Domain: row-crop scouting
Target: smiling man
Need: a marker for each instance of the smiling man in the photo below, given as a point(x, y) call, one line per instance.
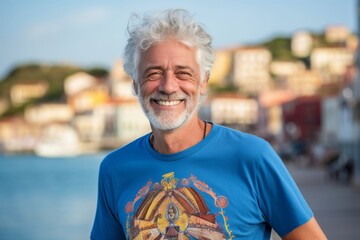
point(191, 179)
point(170, 89)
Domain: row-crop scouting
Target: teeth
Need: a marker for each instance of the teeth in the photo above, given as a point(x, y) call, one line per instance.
point(168, 103)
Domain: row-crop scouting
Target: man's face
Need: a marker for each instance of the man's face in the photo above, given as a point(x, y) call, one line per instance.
point(169, 85)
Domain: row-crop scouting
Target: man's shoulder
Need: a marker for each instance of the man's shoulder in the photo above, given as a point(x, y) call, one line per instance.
point(238, 136)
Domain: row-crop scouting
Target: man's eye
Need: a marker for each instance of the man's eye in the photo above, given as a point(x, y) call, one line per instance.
point(183, 75)
point(154, 76)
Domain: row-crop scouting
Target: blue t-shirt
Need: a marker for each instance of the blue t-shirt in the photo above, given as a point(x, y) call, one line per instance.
point(231, 185)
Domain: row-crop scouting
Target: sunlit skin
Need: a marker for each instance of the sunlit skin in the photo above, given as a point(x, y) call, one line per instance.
point(309, 230)
point(169, 88)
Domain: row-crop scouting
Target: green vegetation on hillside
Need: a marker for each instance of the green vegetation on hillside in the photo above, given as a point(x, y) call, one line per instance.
point(280, 48)
point(53, 75)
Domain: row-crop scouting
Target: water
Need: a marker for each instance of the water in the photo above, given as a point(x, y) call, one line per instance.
point(47, 199)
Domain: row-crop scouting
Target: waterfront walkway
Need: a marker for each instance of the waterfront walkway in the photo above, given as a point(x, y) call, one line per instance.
point(336, 205)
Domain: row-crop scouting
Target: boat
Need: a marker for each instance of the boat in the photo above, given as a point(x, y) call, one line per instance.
point(58, 140)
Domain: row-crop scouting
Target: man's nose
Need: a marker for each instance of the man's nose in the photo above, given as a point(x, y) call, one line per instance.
point(168, 83)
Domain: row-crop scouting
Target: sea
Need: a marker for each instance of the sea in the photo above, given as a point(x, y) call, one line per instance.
point(48, 198)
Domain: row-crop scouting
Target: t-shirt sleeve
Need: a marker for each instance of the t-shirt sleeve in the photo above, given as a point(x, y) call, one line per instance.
point(280, 200)
point(106, 225)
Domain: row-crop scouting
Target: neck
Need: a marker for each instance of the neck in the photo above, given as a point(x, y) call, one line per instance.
point(184, 137)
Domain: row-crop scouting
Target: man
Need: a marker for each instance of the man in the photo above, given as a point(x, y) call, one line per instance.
point(191, 179)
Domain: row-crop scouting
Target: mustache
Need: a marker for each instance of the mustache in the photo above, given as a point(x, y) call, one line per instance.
point(168, 97)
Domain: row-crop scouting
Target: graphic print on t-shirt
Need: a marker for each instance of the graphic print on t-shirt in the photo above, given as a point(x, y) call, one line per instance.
point(175, 209)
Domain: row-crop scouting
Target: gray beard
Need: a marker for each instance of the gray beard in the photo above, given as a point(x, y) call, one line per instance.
point(165, 120)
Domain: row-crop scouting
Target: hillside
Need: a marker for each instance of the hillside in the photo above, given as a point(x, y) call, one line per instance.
point(53, 75)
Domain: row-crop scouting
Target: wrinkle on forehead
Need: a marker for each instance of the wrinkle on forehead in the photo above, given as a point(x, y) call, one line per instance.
point(176, 55)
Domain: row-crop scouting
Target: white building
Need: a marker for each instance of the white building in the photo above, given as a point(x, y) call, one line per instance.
point(231, 110)
point(286, 68)
point(78, 82)
point(334, 61)
point(251, 69)
point(270, 110)
point(301, 44)
point(23, 92)
point(330, 118)
point(120, 83)
point(305, 83)
point(48, 112)
point(337, 33)
point(131, 121)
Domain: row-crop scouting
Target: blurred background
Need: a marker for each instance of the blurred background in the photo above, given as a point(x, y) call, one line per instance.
point(287, 71)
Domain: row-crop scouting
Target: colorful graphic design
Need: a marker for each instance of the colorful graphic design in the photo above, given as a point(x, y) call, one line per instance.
point(174, 209)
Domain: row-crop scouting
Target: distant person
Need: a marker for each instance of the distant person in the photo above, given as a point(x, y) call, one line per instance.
point(191, 179)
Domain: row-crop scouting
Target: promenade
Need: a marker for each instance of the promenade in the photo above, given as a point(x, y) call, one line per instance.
point(336, 205)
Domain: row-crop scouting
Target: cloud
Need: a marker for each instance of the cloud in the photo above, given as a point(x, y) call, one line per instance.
point(76, 20)
point(40, 30)
point(89, 16)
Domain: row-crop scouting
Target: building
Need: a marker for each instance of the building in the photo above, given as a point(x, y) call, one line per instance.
point(301, 44)
point(222, 70)
point(337, 34)
point(251, 70)
point(22, 92)
point(270, 111)
point(306, 83)
point(120, 83)
point(88, 99)
point(16, 135)
point(78, 82)
point(330, 120)
point(231, 110)
point(302, 118)
point(286, 68)
point(131, 121)
point(47, 113)
point(332, 60)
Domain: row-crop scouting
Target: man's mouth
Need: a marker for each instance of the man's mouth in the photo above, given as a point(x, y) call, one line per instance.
point(167, 103)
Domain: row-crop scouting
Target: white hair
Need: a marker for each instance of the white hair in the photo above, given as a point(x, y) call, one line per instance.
point(169, 24)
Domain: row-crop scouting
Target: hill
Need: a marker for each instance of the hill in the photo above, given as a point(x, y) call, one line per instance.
point(53, 75)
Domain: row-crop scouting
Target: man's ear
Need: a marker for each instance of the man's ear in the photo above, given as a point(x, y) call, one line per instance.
point(134, 86)
point(203, 84)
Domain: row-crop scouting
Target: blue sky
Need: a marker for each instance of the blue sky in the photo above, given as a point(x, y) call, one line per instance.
point(92, 33)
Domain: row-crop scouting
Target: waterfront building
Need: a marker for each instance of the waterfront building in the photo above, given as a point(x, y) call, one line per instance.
point(251, 70)
point(120, 83)
point(336, 34)
point(18, 136)
point(78, 82)
point(47, 113)
point(232, 110)
point(23, 92)
point(222, 70)
point(58, 140)
point(286, 68)
point(302, 118)
point(270, 111)
point(332, 60)
point(306, 83)
point(301, 44)
point(131, 121)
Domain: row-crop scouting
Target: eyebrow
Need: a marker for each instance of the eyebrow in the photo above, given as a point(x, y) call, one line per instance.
point(177, 67)
point(184, 67)
point(153, 68)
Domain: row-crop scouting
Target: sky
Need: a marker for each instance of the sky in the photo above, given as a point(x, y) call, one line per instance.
point(91, 33)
